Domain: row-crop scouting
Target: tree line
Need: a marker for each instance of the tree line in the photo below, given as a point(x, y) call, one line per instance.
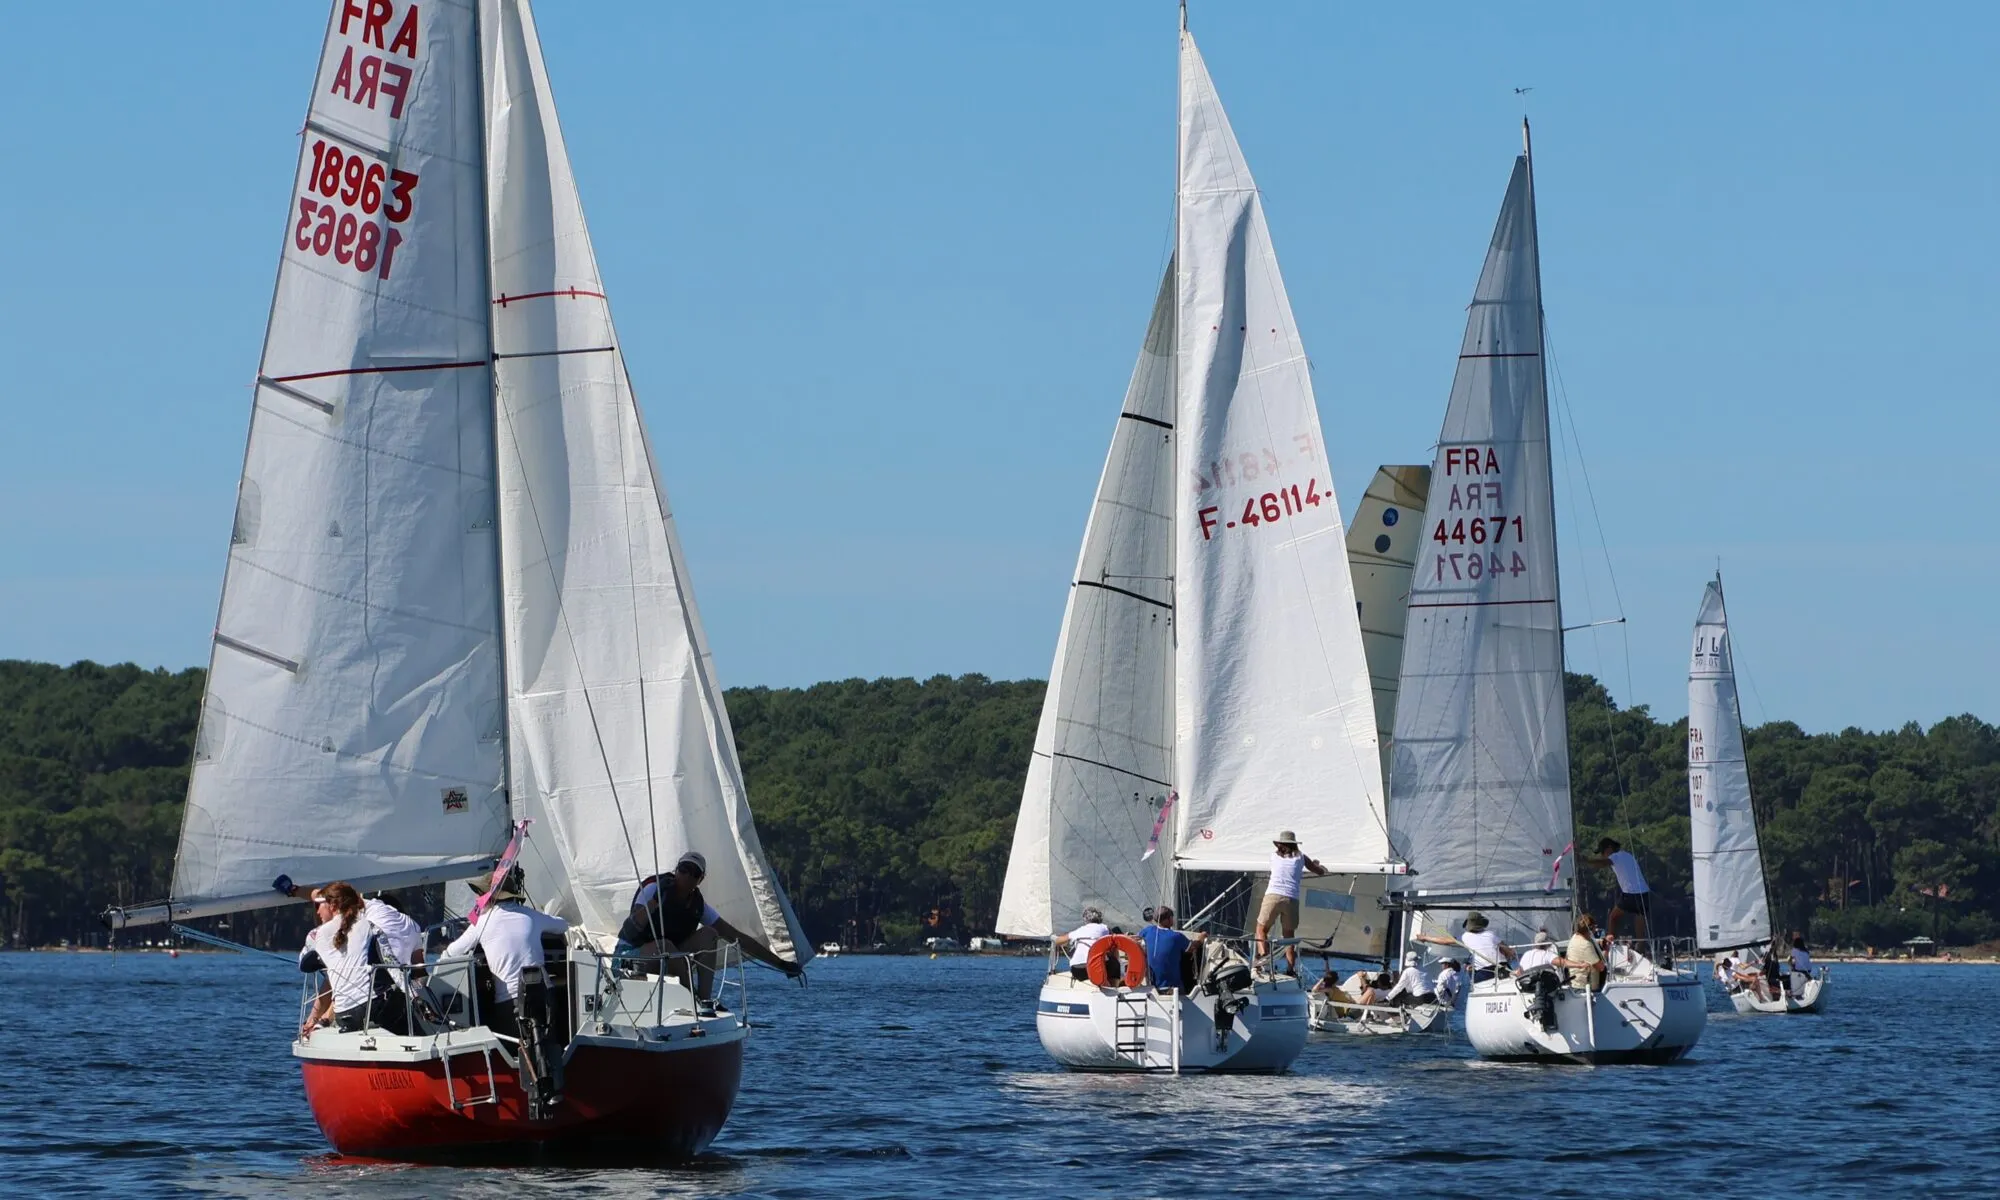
point(887, 806)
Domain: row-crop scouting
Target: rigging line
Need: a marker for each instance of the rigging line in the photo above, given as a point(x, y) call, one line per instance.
point(569, 636)
point(1107, 766)
point(1092, 583)
point(638, 640)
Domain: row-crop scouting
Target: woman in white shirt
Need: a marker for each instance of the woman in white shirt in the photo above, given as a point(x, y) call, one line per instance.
point(1080, 939)
point(1281, 897)
point(339, 946)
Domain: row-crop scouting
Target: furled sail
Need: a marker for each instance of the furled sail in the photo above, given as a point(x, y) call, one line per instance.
point(1101, 776)
point(352, 723)
point(620, 747)
point(1382, 548)
point(1480, 767)
point(1275, 718)
point(1729, 901)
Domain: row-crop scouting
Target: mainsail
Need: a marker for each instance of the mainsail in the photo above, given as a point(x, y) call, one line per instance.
point(447, 469)
point(619, 742)
point(1730, 907)
point(1275, 718)
point(1101, 776)
point(1382, 546)
point(352, 724)
point(1480, 768)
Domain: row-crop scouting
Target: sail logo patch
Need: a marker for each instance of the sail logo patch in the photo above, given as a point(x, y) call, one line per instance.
point(455, 800)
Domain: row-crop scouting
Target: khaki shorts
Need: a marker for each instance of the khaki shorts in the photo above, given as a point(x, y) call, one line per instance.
point(1275, 906)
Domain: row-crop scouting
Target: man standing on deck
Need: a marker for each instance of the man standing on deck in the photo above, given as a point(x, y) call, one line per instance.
point(1281, 897)
point(1634, 898)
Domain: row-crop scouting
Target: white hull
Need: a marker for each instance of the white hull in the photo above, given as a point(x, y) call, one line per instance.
point(1811, 999)
point(1088, 1028)
point(1655, 1017)
point(1370, 1020)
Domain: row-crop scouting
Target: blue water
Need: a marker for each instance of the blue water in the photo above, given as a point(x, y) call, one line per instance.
point(139, 1075)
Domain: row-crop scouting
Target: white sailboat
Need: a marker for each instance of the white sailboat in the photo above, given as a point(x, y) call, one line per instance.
point(1342, 915)
point(1479, 786)
point(1731, 904)
point(455, 602)
point(1209, 684)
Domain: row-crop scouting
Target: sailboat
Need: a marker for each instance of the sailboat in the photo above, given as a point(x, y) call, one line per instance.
point(456, 610)
point(1209, 684)
point(1479, 784)
point(1731, 906)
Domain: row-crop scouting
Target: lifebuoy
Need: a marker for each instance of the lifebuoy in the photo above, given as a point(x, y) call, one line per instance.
point(1101, 951)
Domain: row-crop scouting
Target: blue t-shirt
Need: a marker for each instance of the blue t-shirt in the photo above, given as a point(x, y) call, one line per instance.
point(1164, 948)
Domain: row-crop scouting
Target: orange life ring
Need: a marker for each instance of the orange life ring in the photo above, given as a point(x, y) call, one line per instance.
point(1101, 951)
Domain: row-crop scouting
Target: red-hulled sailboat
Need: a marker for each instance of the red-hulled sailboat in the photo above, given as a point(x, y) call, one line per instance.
point(455, 605)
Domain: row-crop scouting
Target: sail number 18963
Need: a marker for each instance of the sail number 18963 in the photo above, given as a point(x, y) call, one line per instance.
point(350, 231)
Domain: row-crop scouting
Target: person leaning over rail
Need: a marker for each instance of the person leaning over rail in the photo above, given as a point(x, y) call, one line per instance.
point(1489, 953)
point(510, 934)
point(339, 946)
point(402, 937)
point(670, 917)
point(1281, 896)
point(1080, 939)
point(1449, 982)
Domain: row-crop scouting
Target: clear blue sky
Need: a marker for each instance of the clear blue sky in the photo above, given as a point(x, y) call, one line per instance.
point(881, 271)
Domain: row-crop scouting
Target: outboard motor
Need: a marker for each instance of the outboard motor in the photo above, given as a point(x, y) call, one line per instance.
point(1228, 979)
point(541, 1064)
point(1542, 983)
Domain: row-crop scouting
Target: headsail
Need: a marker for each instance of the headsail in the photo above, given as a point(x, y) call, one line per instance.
point(1730, 906)
point(352, 726)
point(1382, 549)
point(1275, 718)
point(620, 746)
point(1102, 771)
point(1480, 767)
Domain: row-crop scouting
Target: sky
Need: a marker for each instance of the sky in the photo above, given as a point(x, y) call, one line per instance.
point(881, 271)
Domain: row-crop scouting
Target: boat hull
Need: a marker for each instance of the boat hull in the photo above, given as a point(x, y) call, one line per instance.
point(1811, 1000)
point(1078, 1023)
point(1651, 1019)
point(649, 1100)
point(1377, 1020)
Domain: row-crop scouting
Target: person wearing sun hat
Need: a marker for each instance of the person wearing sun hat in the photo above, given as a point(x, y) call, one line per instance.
point(1281, 897)
point(670, 918)
point(1489, 953)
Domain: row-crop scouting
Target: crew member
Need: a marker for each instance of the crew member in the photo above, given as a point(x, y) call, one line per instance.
point(1166, 948)
point(1449, 981)
point(339, 946)
point(1489, 953)
point(510, 933)
point(1412, 986)
point(670, 917)
point(1586, 965)
point(1281, 896)
point(1080, 939)
point(1634, 898)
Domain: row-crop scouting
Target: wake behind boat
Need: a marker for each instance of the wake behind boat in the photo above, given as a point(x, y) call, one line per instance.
point(1209, 683)
point(455, 605)
point(1480, 802)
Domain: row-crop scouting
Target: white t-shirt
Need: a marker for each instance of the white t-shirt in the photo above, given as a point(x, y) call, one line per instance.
point(1538, 956)
point(511, 935)
point(1080, 939)
point(404, 936)
point(1485, 947)
point(708, 914)
point(1447, 987)
point(1412, 982)
point(1286, 871)
point(1631, 880)
point(347, 971)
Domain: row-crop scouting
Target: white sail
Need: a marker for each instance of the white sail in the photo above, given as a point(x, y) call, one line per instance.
point(1382, 546)
point(352, 726)
point(1480, 769)
point(620, 746)
point(1729, 902)
point(1275, 718)
point(1101, 773)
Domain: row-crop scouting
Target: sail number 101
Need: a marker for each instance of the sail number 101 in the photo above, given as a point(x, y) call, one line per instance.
point(1269, 508)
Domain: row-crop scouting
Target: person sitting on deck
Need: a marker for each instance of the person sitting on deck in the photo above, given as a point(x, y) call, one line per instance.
point(1449, 982)
point(1413, 987)
point(670, 917)
point(339, 945)
point(1802, 964)
point(510, 934)
point(1166, 950)
point(1540, 953)
point(1634, 898)
point(1581, 957)
point(1080, 940)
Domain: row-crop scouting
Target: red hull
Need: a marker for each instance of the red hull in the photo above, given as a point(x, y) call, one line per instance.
point(660, 1103)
